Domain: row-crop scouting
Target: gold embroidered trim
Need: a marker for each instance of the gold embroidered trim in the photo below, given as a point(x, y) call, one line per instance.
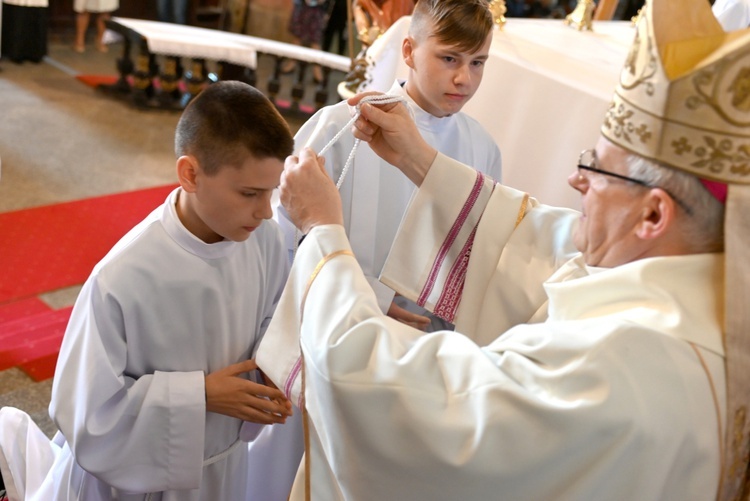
point(306, 433)
point(522, 209)
point(305, 417)
point(314, 275)
point(738, 438)
point(718, 417)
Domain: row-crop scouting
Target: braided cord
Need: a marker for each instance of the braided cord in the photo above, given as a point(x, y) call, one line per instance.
point(376, 99)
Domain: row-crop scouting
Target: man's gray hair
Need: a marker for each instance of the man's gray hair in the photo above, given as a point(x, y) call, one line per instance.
point(704, 230)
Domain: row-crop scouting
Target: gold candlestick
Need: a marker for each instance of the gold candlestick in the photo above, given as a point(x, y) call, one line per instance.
point(498, 9)
point(582, 15)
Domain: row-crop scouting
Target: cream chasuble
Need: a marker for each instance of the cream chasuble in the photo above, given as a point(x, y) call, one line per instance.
point(606, 399)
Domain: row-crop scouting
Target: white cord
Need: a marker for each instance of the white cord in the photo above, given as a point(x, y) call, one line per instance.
point(377, 99)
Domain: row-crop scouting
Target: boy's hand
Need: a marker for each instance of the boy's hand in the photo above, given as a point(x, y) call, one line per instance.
point(406, 317)
point(239, 398)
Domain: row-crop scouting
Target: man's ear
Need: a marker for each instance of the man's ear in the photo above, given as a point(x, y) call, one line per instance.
point(658, 216)
point(407, 51)
point(187, 171)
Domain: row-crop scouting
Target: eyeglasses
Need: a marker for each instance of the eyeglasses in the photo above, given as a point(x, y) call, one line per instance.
point(587, 161)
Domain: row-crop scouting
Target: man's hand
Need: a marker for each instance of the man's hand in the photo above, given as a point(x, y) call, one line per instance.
point(307, 192)
point(392, 134)
point(239, 398)
point(406, 317)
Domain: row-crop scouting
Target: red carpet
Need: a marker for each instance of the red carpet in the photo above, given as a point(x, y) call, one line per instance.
point(94, 80)
point(32, 343)
point(47, 248)
point(23, 308)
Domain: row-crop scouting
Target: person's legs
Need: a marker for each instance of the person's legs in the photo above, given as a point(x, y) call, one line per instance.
point(164, 10)
point(289, 65)
point(179, 11)
point(317, 70)
point(82, 22)
point(100, 29)
point(336, 28)
point(296, 28)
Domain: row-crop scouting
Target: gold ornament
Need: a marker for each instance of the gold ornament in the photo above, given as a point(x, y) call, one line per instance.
point(498, 10)
point(634, 20)
point(582, 15)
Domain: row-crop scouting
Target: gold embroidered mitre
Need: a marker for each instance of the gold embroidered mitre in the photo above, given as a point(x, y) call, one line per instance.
point(683, 98)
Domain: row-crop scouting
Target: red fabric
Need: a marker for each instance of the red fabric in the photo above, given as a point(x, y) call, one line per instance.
point(34, 342)
point(717, 189)
point(20, 309)
point(95, 80)
point(47, 248)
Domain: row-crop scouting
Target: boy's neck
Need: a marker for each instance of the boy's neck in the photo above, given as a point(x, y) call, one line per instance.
point(190, 220)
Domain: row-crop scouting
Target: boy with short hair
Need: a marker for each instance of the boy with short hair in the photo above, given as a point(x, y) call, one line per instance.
point(446, 49)
point(152, 392)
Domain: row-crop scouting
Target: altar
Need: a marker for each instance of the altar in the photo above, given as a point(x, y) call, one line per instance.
point(545, 91)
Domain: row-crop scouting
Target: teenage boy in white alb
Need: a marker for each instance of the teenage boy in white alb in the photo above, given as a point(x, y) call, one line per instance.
point(446, 50)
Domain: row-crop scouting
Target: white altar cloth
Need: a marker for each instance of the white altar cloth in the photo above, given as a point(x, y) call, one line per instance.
point(193, 42)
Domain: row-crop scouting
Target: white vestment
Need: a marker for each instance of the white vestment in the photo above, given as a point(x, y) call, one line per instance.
point(161, 311)
point(732, 14)
point(375, 194)
point(606, 399)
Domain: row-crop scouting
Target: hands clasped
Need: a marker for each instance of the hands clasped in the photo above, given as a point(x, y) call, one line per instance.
point(237, 397)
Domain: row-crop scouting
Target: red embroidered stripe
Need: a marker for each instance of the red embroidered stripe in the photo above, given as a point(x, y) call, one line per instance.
point(450, 298)
point(450, 238)
point(292, 377)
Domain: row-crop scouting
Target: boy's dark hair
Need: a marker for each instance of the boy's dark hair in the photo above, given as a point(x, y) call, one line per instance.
point(463, 24)
point(228, 120)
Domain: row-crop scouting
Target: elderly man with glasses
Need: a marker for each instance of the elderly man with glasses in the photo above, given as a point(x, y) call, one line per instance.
point(613, 360)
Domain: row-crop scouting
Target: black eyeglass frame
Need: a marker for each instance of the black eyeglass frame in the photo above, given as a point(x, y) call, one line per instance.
point(639, 182)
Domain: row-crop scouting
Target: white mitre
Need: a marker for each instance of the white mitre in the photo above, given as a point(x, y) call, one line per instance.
point(683, 100)
point(684, 94)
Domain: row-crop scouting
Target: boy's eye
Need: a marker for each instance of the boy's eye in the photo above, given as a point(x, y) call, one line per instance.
point(249, 193)
point(449, 59)
point(478, 63)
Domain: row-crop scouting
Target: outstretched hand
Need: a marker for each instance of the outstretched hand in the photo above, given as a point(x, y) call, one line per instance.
point(308, 193)
point(391, 133)
point(228, 394)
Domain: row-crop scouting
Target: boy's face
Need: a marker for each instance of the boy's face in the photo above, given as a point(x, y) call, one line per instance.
point(442, 78)
point(230, 204)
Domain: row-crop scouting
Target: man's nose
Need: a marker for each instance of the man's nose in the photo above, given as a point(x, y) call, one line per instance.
point(577, 181)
